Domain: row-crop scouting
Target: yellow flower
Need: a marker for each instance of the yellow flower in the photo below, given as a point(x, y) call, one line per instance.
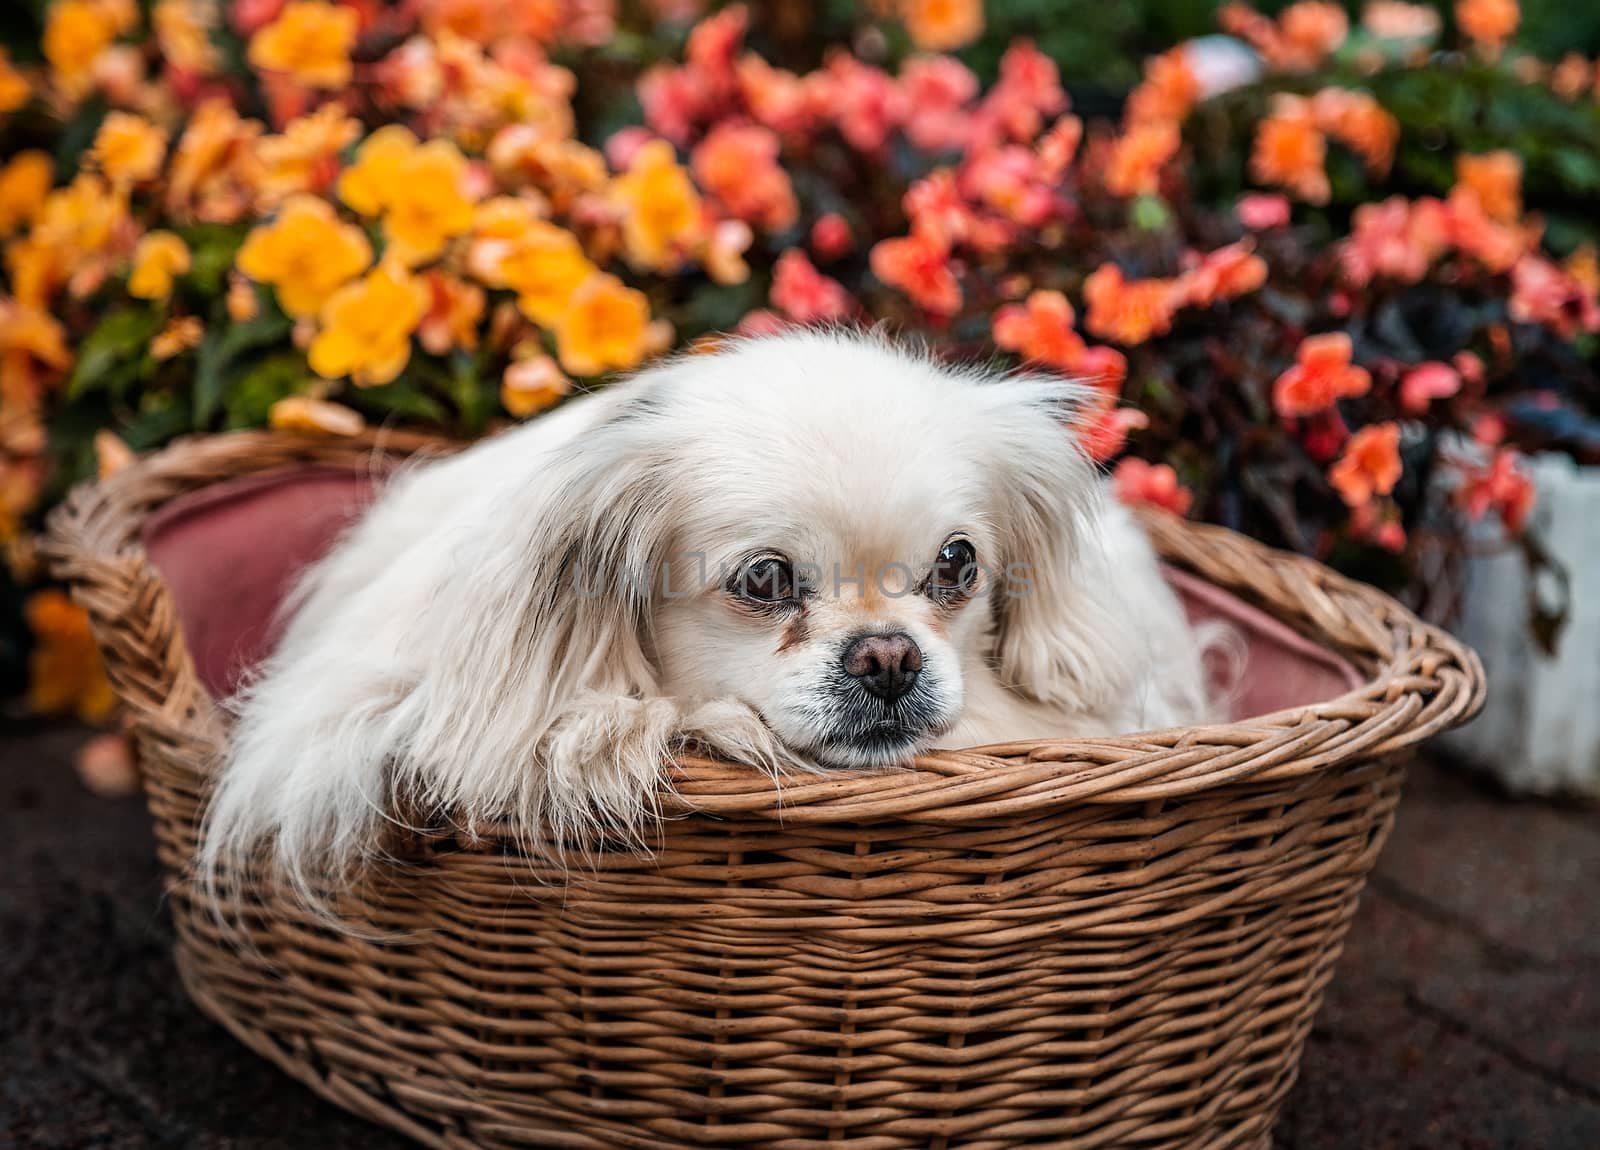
point(34, 334)
point(367, 326)
point(128, 148)
point(111, 454)
point(183, 32)
point(65, 675)
point(607, 325)
point(307, 254)
point(159, 257)
point(427, 204)
point(529, 386)
point(306, 413)
point(545, 267)
point(661, 210)
point(310, 41)
point(24, 183)
point(72, 241)
point(176, 338)
point(14, 90)
point(305, 158)
point(942, 25)
point(367, 183)
point(76, 32)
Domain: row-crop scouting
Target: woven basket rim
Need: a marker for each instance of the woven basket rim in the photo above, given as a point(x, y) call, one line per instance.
point(1419, 679)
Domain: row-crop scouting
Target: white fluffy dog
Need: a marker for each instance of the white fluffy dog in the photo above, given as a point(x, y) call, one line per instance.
point(814, 550)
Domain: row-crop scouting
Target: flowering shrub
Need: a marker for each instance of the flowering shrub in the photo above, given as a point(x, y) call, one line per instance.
point(315, 213)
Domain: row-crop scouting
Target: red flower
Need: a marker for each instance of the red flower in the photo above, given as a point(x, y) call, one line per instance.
point(1322, 375)
point(831, 236)
point(1427, 382)
point(919, 265)
point(1501, 488)
point(1137, 481)
point(1369, 466)
point(804, 294)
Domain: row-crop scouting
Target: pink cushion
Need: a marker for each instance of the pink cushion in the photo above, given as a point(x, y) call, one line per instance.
point(230, 553)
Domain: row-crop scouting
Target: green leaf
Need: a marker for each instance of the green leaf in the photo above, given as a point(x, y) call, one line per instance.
point(213, 249)
point(251, 397)
point(404, 397)
point(113, 354)
point(220, 351)
point(164, 418)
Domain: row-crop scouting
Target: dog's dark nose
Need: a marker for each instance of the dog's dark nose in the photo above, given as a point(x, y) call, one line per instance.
point(887, 665)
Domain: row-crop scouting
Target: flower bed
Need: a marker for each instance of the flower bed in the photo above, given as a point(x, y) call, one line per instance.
point(451, 213)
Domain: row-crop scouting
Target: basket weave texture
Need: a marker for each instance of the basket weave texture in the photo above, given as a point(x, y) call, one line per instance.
point(1116, 942)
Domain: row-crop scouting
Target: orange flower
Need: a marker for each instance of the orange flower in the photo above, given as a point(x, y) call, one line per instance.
point(1138, 157)
point(310, 41)
point(1312, 30)
point(1496, 179)
point(24, 184)
point(942, 25)
point(607, 326)
point(1137, 481)
point(305, 158)
point(214, 170)
point(532, 385)
point(1103, 430)
point(1169, 92)
point(159, 257)
point(1040, 330)
point(76, 33)
point(111, 453)
point(128, 149)
point(14, 89)
point(1495, 245)
point(65, 675)
point(306, 413)
point(367, 326)
point(1322, 375)
point(919, 265)
point(1369, 466)
point(1359, 122)
point(1124, 311)
point(1488, 23)
point(1500, 487)
point(1227, 273)
point(183, 33)
point(1290, 151)
point(307, 254)
point(177, 337)
point(545, 266)
point(455, 308)
point(738, 164)
point(661, 213)
point(1397, 20)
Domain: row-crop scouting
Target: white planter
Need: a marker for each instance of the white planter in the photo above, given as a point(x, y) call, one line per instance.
point(1539, 733)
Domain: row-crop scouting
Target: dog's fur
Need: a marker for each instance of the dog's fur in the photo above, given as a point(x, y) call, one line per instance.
point(529, 628)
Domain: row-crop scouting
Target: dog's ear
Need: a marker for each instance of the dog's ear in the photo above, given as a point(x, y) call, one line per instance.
point(1058, 638)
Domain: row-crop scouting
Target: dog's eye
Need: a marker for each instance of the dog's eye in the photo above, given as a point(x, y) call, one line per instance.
point(769, 579)
point(956, 568)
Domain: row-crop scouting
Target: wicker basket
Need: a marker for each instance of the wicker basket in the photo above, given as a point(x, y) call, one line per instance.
point(1086, 943)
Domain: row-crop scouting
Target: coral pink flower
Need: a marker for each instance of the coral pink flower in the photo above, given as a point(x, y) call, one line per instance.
point(1425, 383)
point(1394, 240)
point(775, 98)
point(863, 102)
point(1137, 481)
point(1260, 211)
point(1004, 179)
point(831, 236)
point(1501, 488)
point(804, 294)
point(1227, 273)
point(622, 145)
point(1058, 147)
point(1103, 432)
point(1495, 245)
point(738, 164)
point(919, 265)
point(1169, 91)
point(1290, 150)
point(1137, 158)
point(938, 91)
point(1040, 330)
point(1103, 368)
point(1028, 91)
point(1543, 292)
point(1128, 311)
point(935, 208)
point(1369, 466)
point(1322, 375)
point(762, 322)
